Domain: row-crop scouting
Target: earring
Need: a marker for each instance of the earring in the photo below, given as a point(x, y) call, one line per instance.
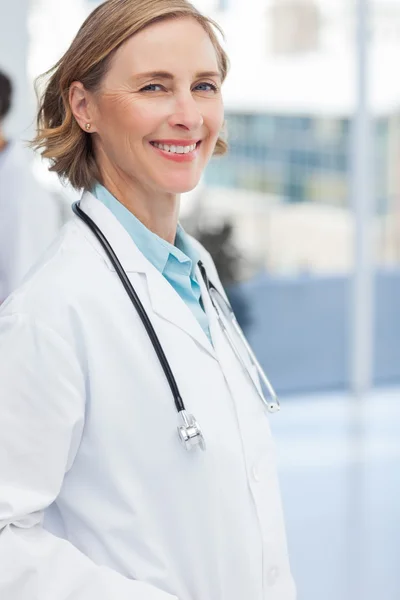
point(87, 126)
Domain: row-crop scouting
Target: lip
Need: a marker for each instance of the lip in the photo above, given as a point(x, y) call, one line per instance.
point(178, 158)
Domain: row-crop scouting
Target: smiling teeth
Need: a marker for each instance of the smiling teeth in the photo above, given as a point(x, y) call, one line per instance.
point(175, 149)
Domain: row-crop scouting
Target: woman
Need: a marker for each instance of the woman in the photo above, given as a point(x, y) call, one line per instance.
point(99, 499)
point(24, 233)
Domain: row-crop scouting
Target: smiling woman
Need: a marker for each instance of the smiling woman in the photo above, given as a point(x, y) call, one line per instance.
point(117, 58)
point(105, 493)
point(141, 112)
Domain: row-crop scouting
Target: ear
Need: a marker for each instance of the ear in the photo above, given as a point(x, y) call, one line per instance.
point(82, 106)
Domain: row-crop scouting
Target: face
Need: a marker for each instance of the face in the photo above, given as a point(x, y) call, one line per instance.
point(159, 111)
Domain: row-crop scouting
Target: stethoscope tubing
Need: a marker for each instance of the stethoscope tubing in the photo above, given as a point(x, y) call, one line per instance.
point(179, 404)
point(272, 406)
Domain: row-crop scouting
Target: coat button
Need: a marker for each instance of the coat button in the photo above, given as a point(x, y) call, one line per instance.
point(273, 575)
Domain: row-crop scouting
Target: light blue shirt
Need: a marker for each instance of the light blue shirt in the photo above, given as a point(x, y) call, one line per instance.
point(176, 263)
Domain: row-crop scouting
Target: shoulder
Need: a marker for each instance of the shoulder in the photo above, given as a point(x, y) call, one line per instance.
point(60, 296)
point(58, 280)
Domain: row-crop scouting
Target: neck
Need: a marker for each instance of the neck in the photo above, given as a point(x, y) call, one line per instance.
point(158, 211)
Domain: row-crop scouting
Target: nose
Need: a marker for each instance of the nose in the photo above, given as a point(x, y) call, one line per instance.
point(186, 113)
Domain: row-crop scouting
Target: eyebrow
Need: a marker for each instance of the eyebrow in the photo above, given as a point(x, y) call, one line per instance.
point(166, 75)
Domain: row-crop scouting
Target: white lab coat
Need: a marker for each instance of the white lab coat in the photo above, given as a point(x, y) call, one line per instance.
point(98, 499)
point(30, 217)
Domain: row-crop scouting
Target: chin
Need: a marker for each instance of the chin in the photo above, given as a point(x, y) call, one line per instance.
point(183, 186)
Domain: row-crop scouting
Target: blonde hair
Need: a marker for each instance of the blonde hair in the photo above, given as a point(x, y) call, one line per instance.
point(87, 60)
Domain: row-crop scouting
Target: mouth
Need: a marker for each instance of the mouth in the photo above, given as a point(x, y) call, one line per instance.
point(177, 150)
point(176, 147)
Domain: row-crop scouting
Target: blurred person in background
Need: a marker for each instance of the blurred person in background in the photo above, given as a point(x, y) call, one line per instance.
point(101, 497)
point(30, 216)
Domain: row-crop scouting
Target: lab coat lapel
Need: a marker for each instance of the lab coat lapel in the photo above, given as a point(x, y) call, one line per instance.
point(215, 328)
point(164, 300)
point(167, 303)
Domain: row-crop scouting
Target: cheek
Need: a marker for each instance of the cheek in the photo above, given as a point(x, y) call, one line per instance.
point(214, 118)
point(129, 117)
point(145, 119)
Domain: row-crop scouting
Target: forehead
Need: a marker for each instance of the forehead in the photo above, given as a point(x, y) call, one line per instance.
point(174, 45)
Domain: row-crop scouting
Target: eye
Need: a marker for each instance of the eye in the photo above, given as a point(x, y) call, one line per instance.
point(151, 87)
point(206, 87)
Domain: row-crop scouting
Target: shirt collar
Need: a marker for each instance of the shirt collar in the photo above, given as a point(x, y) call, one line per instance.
point(153, 247)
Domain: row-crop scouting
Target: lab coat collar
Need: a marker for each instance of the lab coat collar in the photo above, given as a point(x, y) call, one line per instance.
point(126, 250)
point(165, 301)
point(215, 328)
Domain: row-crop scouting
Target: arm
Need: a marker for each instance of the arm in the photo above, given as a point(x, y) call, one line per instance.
point(9, 240)
point(42, 416)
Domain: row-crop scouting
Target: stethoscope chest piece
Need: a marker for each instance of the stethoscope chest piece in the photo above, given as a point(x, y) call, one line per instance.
point(189, 432)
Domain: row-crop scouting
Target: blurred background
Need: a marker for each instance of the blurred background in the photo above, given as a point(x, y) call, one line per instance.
point(302, 217)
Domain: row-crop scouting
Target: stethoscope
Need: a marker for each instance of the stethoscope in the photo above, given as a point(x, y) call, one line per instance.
point(189, 430)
